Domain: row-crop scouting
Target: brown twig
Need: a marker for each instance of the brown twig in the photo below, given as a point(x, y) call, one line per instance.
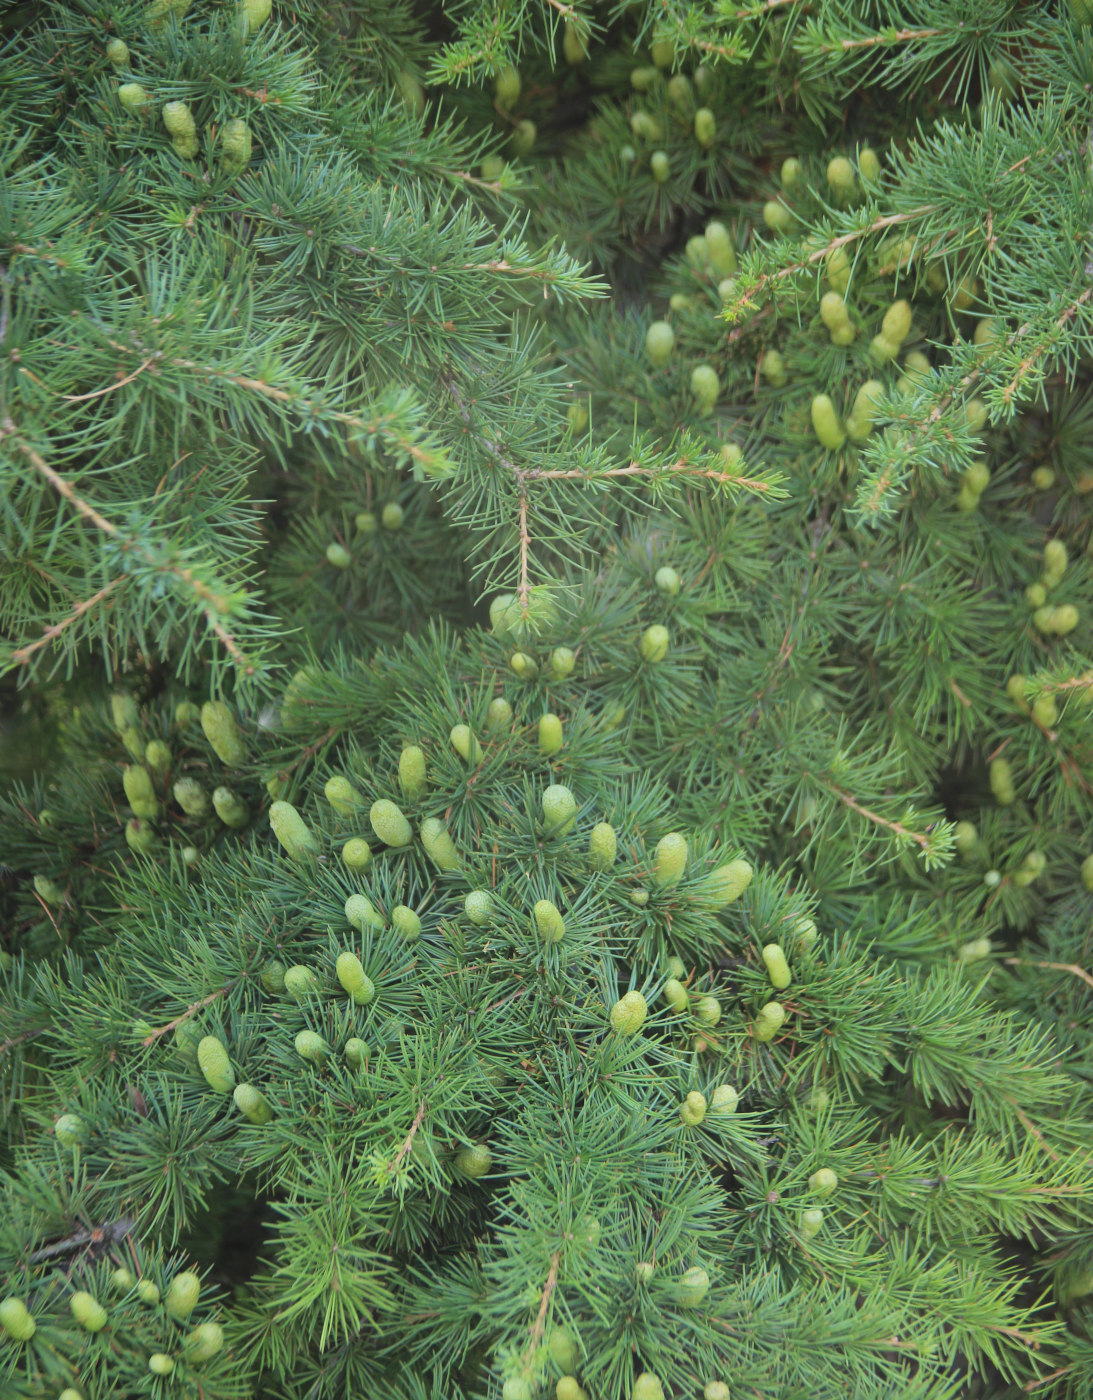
point(897, 827)
point(539, 1324)
point(23, 654)
point(190, 1010)
point(1053, 966)
point(409, 1141)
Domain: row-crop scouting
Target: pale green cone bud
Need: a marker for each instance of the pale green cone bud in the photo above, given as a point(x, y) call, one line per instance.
point(563, 1349)
point(147, 1292)
point(191, 797)
point(707, 1009)
point(825, 423)
point(474, 1162)
point(716, 1390)
point(203, 1343)
point(562, 662)
point(356, 1052)
point(720, 248)
point(218, 724)
point(439, 846)
point(186, 713)
point(660, 341)
point(117, 53)
point(602, 846)
point(272, 977)
point(214, 1064)
point(406, 923)
point(300, 982)
point(499, 715)
point(157, 755)
point(389, 824)
point(677, 968)
point(1086, 873)
point(723, 1101)
point(549, 922)
point(70, 1130)
point(362, 914)
point(411, 772)
point(294, 834)
point(516, 1388)
point(693, 1287)
point(392, 516)
point(777, 217)
point(693, 1109)
point(252, 1104)
point(675, 994)
point(179, 121)
point(88, 1311)
point(705, 127)
point(705, 386)
point(811, 1223)
point(559, 809)
point(670, 859)
point(182, 1294)
point(190, 855)
point(823, 1182)
point(728, 882)
point(477, 906)
point(667, 581)
point(1001, 781)
point(160, 1364)
point(351, 974)
point(357, 854)
point(310, 1046)
point(628, 1014)
point(807, 935)
point(236, 145)
point(342, 795)
point(254, 13)
point(465, 744)
point(48, 890)
point(569, 1388)
point(768, 1021)
point(139, 836)
point(639, 897)
point(551, 738)
point(139, 792)
point(654, 643)
point(366, 522)
point(777, 966)
point(979, 948)
point(16, 1320)
point(647, 1386)
point(133, 97)
point(522, 665)
point(965, 838)
point(122, 1280)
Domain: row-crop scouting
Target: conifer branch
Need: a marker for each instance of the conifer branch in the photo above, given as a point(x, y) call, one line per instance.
point(539, 1324)
point(408, 1142)
point(191, 1011)
point(24, 654)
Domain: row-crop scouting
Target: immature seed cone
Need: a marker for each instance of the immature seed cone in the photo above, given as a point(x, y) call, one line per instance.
point(406, 923)
point(477, 907)
point(628, 1014)
point(465, 744)
point(191, 797)
point(563, 1349)
point(602, 846)
point(342, 795)
point(559, 809)
point(70, 1130)
point(300, 982)
point(236, 145)
point(117, 53)
point(723, 1101)
point(675, 994)
point(357, 854)
point(310, 1046)
point(654, 643)
point(16, 1320)
point(823, 1182)
point(88, 1311)
point(562, 662)
point(716, 1390)
point(252, 1104)
point(693, 1287)
point(203, 1343)
point(147, 1292)
point(182, 1294)
point(389, 824)
point(551, 738)
point(777, 966)
point(411, 772)
point(660, 341)
point(499, 715)
point(811, 1223)
point(160, 1364)
point(549, 922)
point(254, 14)
point(218, 724)
point(292, 831)
point(362, 913)
point(768, 1021)
point(213, 1061)
point(647, 1386)
point(439, 846)
point(230, 808)
point(693, 1109)
point(708, 1010)
point(351, 974)
point(473, 1162)
point(670, 859)
point(356, 1052)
